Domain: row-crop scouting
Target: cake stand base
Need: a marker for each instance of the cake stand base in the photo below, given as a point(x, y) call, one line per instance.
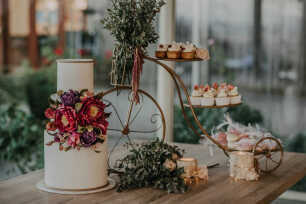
point(42, 186)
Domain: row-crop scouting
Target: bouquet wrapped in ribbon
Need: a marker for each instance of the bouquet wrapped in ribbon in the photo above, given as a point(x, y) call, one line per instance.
point(131, 22)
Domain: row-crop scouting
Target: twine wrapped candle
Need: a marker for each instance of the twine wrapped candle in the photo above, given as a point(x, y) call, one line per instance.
point(242, 166)
point(193, 173)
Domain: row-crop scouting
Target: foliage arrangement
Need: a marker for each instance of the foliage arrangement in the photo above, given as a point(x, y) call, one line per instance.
point(76, 119)
point(21, 138)
point(131, 23)
point(152, 164)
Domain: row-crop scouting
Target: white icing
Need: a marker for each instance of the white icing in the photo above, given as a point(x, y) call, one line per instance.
point(189, 48)
point(196, 93)
point(75, 74)
point(175, 47)
point(75, 169)
point(209, 94)
point(222, 93)
point(233, 92)
point(162, 49)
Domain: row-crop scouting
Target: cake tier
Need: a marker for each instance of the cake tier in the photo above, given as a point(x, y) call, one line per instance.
point(75, 170)
point(75, 74)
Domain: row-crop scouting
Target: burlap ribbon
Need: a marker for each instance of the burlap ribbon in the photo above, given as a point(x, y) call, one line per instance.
point(136, 73)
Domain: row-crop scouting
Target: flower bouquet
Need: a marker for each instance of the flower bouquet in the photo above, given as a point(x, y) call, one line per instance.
point(76, 119)
point(131, 23)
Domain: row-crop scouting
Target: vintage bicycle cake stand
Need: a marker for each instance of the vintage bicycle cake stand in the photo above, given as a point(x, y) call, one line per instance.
point(264, 161)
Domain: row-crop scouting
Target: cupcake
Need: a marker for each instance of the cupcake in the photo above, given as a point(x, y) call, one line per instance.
point(196, 96)
point(222, 99)
point(188, 51)
point(233, 94)
point(161, 51)
point(202, 54)
point(208, 98)
point(202, 89)
point(174, 51)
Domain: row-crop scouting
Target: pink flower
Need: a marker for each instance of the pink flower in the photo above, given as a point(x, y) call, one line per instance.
point(74, 139)
point(66, 119)
point(51, 126)
point(50, 113)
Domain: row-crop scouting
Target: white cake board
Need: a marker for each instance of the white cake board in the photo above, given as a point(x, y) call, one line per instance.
point(42, 186)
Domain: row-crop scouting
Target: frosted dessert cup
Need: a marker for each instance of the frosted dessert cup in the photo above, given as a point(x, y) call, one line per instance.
point(161, 51)
point(222, 101)
point(188, 55)
point(174, 54)
point(208, 101)
point(160, 54)
point(196, 100)
point(235, 99)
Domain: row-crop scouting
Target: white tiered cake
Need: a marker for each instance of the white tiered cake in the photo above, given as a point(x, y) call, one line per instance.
point(75, 170)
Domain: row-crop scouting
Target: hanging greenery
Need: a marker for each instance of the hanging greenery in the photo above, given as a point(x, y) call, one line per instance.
point(152, 164)
point(131, 23)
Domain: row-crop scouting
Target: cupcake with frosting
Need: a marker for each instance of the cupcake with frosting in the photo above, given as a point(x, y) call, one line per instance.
point(222, 98)
point(235, 97)
point(188, 51)
point(161, 51)
point(202, 89)
point(208, 98)
point(174, 51)
point(196, 96)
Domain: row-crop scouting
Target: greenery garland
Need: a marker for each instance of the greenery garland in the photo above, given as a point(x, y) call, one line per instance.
point(131, 23)
point(154, 165)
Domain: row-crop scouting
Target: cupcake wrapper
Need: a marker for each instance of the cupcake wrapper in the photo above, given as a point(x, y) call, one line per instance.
point(222, 101)
point(196, 101)
point(207, 101)
point(235, 99)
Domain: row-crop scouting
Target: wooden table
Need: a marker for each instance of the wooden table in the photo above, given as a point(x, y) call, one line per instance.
point(220, 188)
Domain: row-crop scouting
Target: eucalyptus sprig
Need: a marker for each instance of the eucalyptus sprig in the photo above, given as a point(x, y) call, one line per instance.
point(131, 23)
point(154, 165)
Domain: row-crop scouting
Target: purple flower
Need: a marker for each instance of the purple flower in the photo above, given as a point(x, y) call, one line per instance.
point(88, 138)
point(70, 98)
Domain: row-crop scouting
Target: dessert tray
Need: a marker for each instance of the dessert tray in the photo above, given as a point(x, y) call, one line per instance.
point(214, 106)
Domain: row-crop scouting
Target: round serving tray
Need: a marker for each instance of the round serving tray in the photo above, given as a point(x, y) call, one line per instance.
point(42, 186)
point(200, 106)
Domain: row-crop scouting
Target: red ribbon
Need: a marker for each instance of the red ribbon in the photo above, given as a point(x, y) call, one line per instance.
point(136, 72)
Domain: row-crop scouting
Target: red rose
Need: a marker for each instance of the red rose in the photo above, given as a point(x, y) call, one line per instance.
point(50, 113)
point(51, 126)
point(92, 111)
point(102, 124)
point(65, 119)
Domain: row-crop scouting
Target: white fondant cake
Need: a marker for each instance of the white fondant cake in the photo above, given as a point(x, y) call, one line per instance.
point(75, 74)
point(75, 170)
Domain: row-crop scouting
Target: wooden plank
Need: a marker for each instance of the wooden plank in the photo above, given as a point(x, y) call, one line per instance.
point(220, 188)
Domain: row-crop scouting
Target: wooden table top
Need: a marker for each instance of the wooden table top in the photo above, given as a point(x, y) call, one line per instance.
point(220, 188)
